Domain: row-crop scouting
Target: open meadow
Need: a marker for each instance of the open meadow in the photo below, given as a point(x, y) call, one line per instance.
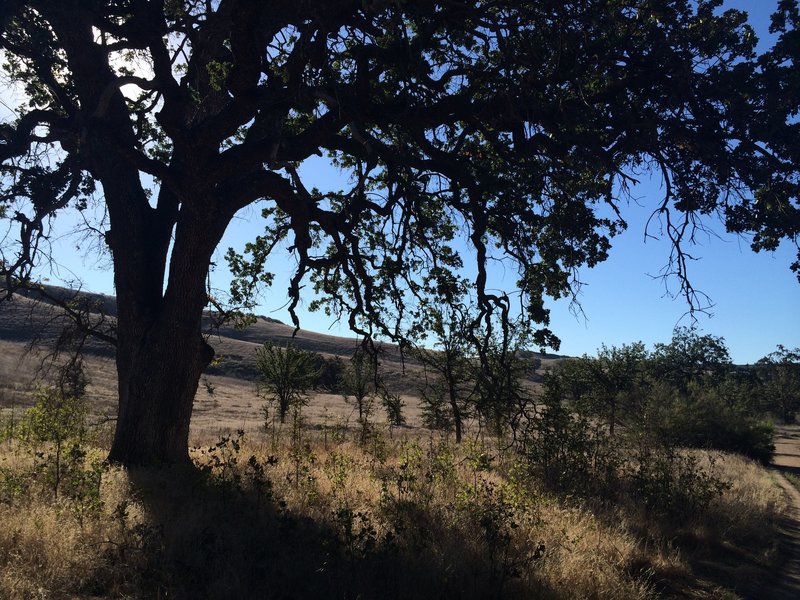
point(328, 505)
point(447, 181)
point(319, 514)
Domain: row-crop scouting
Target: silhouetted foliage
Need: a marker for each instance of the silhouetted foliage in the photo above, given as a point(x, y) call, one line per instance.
point(686, 393)
point(360, 381)
point(611, 386)
point(513, 128)
point(331, 372)
point(449, 393)
point(501, 397)
point(73, 379)
point(690, 357)
point(779, 373)
point(393, 404)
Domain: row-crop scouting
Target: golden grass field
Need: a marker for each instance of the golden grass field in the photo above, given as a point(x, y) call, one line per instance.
point(234, 403)
point(322, 511)
point(400, 517)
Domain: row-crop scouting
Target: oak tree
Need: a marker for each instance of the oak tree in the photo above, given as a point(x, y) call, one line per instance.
point(511, 127)
point(610, 386)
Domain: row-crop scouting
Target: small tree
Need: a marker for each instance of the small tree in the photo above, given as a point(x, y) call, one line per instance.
point(686, 393)
point(72, 380)
point(358, 381)
point(611, 386)
point(57, 425)
point(286, 375)
point(393, 404)
point(436, 413)
point(691, 357)
point(502, 397)
point(452, 387)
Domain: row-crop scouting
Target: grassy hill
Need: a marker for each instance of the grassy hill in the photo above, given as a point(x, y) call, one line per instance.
point(226, 399)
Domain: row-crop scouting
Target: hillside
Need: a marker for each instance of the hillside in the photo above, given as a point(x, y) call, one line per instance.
point(226, 398)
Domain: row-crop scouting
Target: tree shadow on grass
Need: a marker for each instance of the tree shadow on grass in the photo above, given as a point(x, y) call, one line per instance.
point(784, 469)
point(714, 560)
point(215, 541)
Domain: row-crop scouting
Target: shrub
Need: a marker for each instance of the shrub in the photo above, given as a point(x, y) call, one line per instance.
point(55, 427)
point(436, 412)
point(570, 453)
point(779, 374)
point(358, 380)
point(702, 419)
point(330, 372)
point(54, 432)
point(674, 482)
point(393, 404)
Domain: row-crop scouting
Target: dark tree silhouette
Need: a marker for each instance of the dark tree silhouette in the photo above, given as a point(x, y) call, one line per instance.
point(779, 375)
point(512, 124)
point(450, 367)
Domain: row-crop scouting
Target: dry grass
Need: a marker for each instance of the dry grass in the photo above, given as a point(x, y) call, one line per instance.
point(753, 499)
point(48, 551)
point(325, 517)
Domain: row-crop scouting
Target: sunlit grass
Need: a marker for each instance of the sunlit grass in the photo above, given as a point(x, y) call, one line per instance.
point(323, 516)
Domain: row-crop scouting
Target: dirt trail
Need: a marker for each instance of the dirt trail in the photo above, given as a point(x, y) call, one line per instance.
point(787, 459)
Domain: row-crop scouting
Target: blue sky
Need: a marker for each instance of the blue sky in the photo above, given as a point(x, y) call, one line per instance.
point(756, 297)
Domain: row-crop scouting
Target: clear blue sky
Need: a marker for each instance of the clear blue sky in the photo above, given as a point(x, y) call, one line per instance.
point(756, 297)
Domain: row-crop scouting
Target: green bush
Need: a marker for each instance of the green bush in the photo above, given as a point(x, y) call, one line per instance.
point(55, 428)
point(674, 482)
point(436, 412)
point(286, 375)
point(54, 431)
point(570, 453)
point(393, 404)
point(702, 419)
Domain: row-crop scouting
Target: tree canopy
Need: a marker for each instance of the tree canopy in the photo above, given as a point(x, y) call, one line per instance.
point(513, 126)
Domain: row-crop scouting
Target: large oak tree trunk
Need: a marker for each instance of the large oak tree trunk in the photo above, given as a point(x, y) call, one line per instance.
point(161, 352)
point(156, 392)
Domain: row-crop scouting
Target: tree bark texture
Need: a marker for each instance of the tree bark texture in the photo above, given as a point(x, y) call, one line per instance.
point(161, 352)
point(157, 387)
